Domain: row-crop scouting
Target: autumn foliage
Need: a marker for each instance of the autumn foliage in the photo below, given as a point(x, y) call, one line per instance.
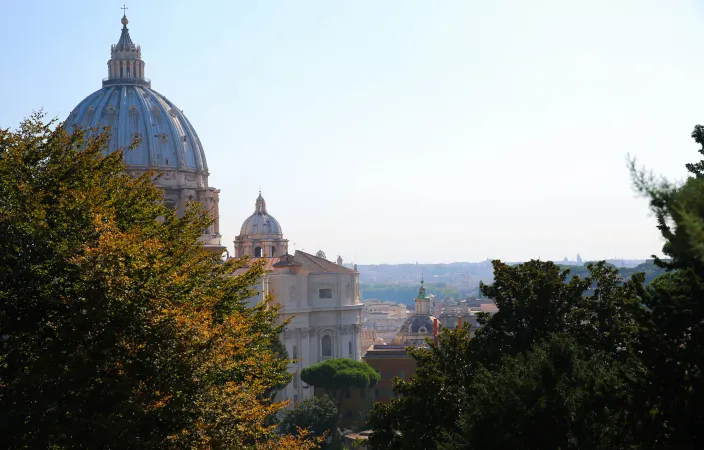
point(117, 328)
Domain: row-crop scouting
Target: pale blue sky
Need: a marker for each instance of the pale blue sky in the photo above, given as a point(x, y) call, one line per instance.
point(399, 130)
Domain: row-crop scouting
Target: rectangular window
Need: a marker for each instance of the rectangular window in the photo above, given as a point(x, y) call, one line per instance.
point(325, 293)
point(362, 393)
point(348, 394)
point(327, 346)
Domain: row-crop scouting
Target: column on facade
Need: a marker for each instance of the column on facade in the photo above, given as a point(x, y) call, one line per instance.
point(306, 355)
point(216, 210)
point(355, 341)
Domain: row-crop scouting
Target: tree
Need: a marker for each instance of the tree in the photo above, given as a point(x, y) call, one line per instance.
point(557, 386)
point(317, 414)
point(672, 341)
point(426, 406)
point(337, 375)
point(117, 325)
point(321, 254)
point(536, 302)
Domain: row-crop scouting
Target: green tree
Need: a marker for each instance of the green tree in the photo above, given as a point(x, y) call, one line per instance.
point(536, 301)
point(118, 329)
point(337, 375)
point(672, 343)
point(321, 254)
point(428, 405)
point(555, 396)
point(317, 414)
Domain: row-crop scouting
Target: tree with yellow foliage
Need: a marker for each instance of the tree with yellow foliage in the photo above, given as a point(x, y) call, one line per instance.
point(117, 328)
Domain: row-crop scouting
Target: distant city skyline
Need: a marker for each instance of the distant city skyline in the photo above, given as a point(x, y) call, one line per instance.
point(402, 131)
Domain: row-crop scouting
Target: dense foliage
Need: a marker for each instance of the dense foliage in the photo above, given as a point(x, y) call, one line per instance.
point(598, 360)
point(340, 373)
point(119, 330)
point(537, 302)
point(317, 414)
point(337, 375)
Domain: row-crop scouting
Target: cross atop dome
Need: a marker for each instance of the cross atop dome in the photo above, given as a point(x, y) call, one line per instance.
point(124, 16)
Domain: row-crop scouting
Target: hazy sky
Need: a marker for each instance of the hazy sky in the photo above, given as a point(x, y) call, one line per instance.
point(398, 130)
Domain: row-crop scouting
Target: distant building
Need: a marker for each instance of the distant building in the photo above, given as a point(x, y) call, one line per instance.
point(420, 325)
point(369, 338)
point(390, 361)
point(384, 318)
point(490, 308)
point(319, 296)
point(466, 318)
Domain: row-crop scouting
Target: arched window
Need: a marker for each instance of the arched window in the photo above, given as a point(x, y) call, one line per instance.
point(257, 252)
point(327, 346)
point(273, 251)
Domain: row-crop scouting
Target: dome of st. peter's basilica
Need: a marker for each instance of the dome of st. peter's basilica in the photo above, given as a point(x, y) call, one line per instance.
point(166, 142)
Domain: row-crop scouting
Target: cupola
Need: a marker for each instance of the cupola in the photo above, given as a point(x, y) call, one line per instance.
point(125, 65)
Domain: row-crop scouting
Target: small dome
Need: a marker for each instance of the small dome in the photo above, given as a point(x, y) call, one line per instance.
point(417, 325)
point(261, 223)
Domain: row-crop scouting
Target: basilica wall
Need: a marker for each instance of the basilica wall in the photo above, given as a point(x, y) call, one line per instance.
point(339, 289)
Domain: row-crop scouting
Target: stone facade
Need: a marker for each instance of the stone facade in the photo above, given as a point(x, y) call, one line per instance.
point(321, 298)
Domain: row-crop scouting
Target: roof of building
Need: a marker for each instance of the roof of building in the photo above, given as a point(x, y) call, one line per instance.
point(387, 351)
point(367, 334)
point(313, 264)
point(306, 263)
point(417, 324)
